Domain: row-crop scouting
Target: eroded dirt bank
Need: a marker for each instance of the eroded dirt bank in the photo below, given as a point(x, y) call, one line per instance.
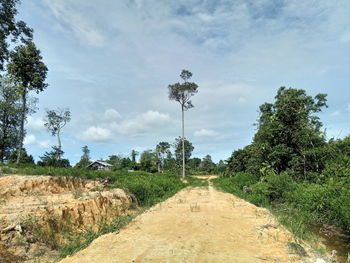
point(199, 225)
point(37, 213)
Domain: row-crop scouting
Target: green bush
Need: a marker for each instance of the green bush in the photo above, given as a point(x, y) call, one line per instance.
point(235, 185)
point(279, 185)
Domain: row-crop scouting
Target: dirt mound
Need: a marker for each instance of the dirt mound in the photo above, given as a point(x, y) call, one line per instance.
point(36, 211)
point(15, 185)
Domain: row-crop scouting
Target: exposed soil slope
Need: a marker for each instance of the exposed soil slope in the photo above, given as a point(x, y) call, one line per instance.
point(198, 225)
point(34, 210)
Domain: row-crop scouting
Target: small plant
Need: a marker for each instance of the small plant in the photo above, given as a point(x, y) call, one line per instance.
point(77, 193)
point(181, 201)
point(297, 249)
point(195, 208)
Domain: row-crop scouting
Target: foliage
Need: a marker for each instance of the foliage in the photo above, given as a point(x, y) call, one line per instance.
point(178, 149)
point(290, 167)
point(29, 72)
point(54, 159)
point(82, 240)
point(148, 161)
point(9, 118)
point(24, 160)
point(11, 30)
point(151, 188)
point(85, 158)
point(207, 164)
point(289, 137)
point(55, 121)
point(182, 93)
point(161, 149)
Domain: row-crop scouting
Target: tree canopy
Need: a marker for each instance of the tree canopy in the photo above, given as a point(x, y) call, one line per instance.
point(288, 137)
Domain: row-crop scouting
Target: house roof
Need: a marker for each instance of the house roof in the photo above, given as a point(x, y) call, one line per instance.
point(101, 163)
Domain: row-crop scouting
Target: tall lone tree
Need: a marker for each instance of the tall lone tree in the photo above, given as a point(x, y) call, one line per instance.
point(182, 93)
point(55, 121)
point(29, 72)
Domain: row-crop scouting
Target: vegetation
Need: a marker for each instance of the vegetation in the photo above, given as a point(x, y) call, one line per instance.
point(182, 93)
point(54, 159)
point(55, 121)
point(85, 158)
point(29, 73)
point(21, 71)
point(291, 168)
point(147, 188)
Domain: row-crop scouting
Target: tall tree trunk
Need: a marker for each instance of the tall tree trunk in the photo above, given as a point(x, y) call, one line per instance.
point(21, 129)
point(183, 142)
point(158, 162)
point(59, 144)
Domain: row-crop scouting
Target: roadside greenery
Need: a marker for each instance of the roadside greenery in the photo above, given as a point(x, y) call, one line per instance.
point(291, 168)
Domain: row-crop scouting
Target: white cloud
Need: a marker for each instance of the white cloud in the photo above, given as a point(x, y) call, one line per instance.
point(111, 114)
point(154, 117)
point(205, 133)
point(35, 124)
point(112, 123)
point(242, 100)
point(29, 139)
point(336, 113)
point(81, 26)
point(44, 144)
point(97, 134)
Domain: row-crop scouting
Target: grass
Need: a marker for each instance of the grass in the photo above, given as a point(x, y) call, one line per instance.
point(148, 189)
point(82, 240)
point(295, 220)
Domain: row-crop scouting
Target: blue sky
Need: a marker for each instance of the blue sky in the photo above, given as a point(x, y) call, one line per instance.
point(110, 62)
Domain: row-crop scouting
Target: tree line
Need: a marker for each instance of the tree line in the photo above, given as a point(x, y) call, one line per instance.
point(165, 157)
point(291, 165)
point(22, 75)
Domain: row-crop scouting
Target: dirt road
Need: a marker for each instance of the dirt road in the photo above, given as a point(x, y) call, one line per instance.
point(197, 225)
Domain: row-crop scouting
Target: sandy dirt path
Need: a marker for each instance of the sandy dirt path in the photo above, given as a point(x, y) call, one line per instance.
point(195, 225)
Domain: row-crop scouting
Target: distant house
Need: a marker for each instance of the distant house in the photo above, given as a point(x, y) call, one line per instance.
point(100, 165)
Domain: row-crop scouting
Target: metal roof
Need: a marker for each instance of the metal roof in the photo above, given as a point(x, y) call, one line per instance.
point(100, 162)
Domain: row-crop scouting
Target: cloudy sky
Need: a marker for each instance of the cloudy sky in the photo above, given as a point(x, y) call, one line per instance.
point(110, 62)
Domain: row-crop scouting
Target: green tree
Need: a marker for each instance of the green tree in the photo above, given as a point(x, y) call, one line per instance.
point(85, 158)
point(182, 93)
point(207, 164)
point(25, 158)
point(148, 161)
point(194, 163)
point(134, 154)
point(53, 159)
point(55, 121)
point(11, 30)
point(116, 161)
point(162, 149)
point(170, 163)
point(29, 73)
point(289, 137)
point(178, 145)
point(134, 164)
point(220, 167)
point(9, 116)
